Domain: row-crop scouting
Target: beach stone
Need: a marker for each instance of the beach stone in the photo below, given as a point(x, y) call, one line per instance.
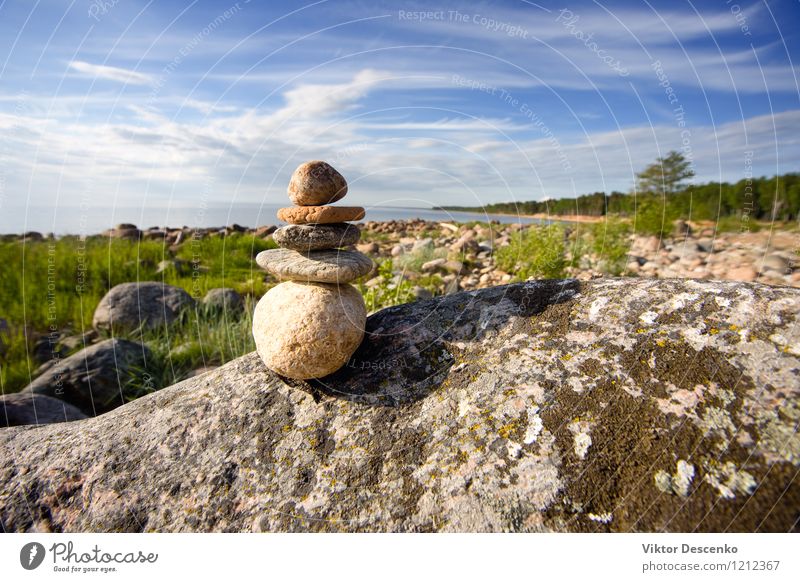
point(223, 299)
point(148, 304)
point(304, 237)
point(741, 273)
point(308, 330)
point(27, 408)
point(332, 266)
point(95, 379)
point(315, 183)
point(320, 214)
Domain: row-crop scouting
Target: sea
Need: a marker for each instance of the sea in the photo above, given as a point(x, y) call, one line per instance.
point(94, 219)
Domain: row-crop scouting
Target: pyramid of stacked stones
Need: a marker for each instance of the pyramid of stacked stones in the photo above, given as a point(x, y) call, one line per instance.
point(309, 325)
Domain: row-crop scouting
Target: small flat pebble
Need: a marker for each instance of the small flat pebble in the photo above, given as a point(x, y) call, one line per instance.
point(320, 214)
point(304, 237)
point(331, 266)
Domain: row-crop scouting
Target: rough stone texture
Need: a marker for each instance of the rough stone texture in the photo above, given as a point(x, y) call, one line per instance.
point(320, 266)
point(26, 408)
point(615, 404)
point(146, 304)
point(320, 214)
point(308, 330)
point(304, 237)
point(223, 299)
point(95, 378)
point(315, 183)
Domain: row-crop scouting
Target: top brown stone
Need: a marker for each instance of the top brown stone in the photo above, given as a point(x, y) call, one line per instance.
point(320, 214)
point(315, 183)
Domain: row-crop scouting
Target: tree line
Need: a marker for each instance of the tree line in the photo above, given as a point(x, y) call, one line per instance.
point(662, 187)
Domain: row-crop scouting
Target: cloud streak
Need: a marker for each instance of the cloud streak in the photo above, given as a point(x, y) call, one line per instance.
point(108, 73)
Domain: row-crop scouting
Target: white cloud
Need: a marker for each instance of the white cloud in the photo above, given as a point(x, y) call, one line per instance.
point(111, 73)
point(248, 155)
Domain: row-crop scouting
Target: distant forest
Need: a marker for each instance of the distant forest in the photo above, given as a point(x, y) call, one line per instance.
point(776, 198)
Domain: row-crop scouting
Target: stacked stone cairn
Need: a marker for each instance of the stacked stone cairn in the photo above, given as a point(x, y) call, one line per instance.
point(309, 326)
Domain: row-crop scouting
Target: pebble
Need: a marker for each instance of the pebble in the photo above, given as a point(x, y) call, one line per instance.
point(331, 266)
point(308, 330)
point(744, 273)
point(315, 183)
point(320, 214)
point(303, 237)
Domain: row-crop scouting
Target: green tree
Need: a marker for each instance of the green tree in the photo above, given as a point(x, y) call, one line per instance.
point(666, 175)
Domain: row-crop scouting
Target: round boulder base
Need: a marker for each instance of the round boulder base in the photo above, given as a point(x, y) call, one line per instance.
point(320, 214)
point(26, 408)
point(304, 237)
point(147, 304)
point(308, 330)
point(315, 183)
point(223, 299)
point(331, 266)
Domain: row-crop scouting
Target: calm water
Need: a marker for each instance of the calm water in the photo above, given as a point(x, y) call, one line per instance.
point(76, 220)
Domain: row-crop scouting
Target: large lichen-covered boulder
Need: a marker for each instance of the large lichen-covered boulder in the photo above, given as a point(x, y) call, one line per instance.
point(620, 404)
point(147, 304)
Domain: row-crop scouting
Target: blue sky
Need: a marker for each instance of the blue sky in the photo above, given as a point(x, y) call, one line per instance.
point(124, 102)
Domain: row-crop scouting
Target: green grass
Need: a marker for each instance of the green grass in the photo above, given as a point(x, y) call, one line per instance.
point(538, 251)
point(56, 286)
point(199, 338)
point(386, 293)
point(735, 224)
point(413, 261)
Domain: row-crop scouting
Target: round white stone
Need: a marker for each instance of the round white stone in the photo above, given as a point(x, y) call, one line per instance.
point(308, 330)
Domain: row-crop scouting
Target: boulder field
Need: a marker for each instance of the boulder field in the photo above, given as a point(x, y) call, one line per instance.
point(606, 405)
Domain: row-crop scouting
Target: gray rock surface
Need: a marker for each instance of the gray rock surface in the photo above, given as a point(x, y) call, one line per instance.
point(306, 237)
point(94, 379)
point(615, 404)
point(224, 299)
point(333, 266)
point(146, 304)
point(27, 408)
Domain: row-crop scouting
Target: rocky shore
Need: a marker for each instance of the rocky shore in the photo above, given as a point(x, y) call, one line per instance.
point(462, 255)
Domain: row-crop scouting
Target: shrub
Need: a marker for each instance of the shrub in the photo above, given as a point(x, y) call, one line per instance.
point(537, 251)
point(654, 217)
point(610, 243)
